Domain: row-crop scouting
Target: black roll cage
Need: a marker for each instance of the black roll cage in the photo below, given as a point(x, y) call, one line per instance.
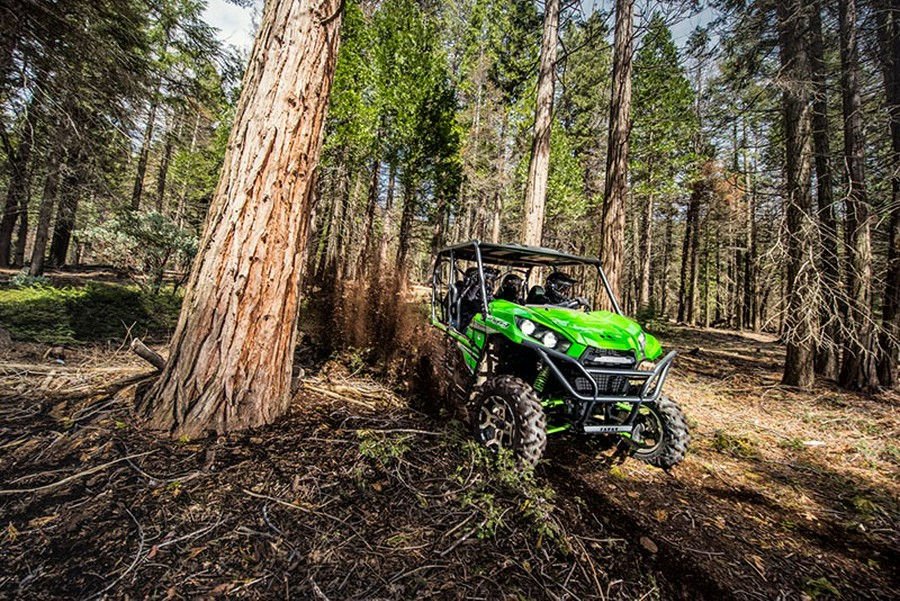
point(517, 255)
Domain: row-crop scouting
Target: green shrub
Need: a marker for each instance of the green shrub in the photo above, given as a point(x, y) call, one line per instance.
point(144, 245)
point(91, 313)
point(23, 279)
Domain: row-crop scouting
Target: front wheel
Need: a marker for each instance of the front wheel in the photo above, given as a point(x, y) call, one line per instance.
point(507, 414)
point(660, 435)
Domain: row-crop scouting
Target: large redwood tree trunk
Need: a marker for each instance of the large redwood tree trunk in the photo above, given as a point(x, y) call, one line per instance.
point(612, 237)
point(539, 165)
point(231, 357)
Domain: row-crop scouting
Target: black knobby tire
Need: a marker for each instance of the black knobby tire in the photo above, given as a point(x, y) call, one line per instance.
point(510, 400)
point(665, 422)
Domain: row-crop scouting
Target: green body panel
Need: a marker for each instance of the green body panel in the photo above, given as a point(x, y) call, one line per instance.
point(600, 329)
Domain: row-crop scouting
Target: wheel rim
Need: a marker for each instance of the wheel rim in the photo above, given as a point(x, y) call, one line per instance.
point(648, 431)
point(496, 423)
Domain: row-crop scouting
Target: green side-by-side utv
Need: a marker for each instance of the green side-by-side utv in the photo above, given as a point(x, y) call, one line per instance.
point(529, 358)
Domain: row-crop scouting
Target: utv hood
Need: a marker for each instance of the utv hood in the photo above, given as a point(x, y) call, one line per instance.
point(601, 329)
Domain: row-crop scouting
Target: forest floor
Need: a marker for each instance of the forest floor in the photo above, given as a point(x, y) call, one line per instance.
point(353, 494)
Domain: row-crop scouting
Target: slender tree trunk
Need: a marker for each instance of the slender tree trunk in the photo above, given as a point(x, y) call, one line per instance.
point(55, 171)
point(410, 200)
point(539, 165)
point(751, 273)
point(706, 245)
point(612, 238)
point(326, 237)
point(341, 201)
point(439, 229)
point(888, 15)
point(138, 189)
point(495, 218)
point(22, 231)
point(645, 243)
point(65, 220)
point(646, 248)
point(163, 174)
point(801, 315)
point(346, 266)
point(181, 211)
point(387, 225)
point(858, 365)
point(19, 160)
point(369, 223)
point(668, 247)
point(827, 350)
point(232, 352)
point(685, 292)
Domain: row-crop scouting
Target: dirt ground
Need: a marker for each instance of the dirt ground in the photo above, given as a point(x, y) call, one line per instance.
point(784, 495)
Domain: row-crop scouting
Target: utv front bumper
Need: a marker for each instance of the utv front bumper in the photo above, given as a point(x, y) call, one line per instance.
point(643, 386)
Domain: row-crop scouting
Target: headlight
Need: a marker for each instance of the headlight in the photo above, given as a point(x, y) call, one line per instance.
point(542, 334)
point(549, 339)
point(642, 340)
point(527, 326)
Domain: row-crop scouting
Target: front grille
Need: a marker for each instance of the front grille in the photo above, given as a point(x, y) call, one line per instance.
point(598, 358)
point(606, 384)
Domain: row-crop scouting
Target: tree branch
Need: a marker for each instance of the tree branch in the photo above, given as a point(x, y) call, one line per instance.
point(148, 354)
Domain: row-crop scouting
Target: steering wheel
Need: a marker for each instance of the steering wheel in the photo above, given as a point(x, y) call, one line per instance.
point(576, 303)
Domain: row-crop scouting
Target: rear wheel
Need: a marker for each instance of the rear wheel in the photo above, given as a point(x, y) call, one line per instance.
point(507, 414)
point(660, 435)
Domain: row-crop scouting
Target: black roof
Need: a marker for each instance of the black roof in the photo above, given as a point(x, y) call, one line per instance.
point(515, 254)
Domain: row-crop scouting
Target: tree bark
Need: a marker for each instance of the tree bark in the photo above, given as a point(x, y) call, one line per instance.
point(612, 238)
point(232, 352)
point(858, 365)
point(64, 225)
point(19, 159)
point(539, 165)
point(138, 189)
point(643, 299)
point(800, 317)
point(55, 171)
point(369, 224)
point(827, 350)
point(163, 174)
point(751, 272)
point(888, 15)
point(181, 211)
point(22, 231)
point(668, 247)
point(404, 243)
point(387, 224)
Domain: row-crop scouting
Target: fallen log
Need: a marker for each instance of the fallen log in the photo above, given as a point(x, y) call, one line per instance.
point(148, 354)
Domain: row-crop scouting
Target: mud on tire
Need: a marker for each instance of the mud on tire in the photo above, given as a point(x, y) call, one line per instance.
point(664, 421)
point(505, 413)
